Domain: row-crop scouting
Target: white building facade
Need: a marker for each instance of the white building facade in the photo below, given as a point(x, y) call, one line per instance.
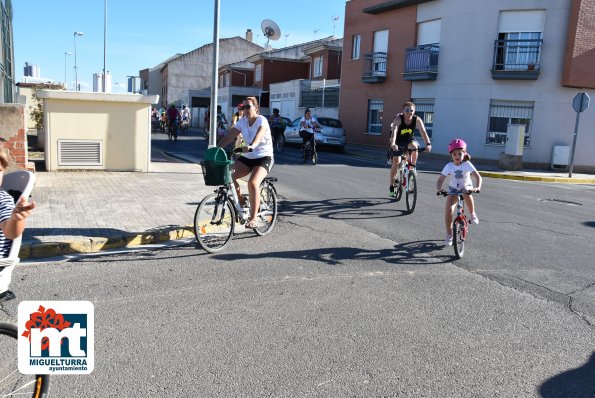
point(500, 63)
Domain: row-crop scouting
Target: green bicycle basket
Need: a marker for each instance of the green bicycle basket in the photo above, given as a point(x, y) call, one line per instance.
point(215, 167)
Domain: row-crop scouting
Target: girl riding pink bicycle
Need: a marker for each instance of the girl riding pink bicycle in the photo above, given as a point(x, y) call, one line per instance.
point(461, 172)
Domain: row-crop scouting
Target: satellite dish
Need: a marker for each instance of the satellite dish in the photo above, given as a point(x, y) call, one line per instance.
point(270, 30)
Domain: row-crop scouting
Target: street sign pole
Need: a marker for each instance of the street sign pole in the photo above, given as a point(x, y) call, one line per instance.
point(214, 88)
point(579, 104)
point(578, 115)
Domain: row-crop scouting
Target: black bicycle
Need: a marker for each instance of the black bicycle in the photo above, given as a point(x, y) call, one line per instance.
point(309, 148)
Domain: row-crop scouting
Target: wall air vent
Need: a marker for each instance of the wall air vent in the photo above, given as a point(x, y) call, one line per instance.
point(80, 152)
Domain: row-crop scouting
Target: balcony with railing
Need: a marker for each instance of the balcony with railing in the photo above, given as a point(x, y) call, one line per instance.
point(517, 59)
point(374, 68)
point(421, 62)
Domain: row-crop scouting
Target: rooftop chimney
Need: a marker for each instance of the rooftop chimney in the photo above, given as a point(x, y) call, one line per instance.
point(249, 35)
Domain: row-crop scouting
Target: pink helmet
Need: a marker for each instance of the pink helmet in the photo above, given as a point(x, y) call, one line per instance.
point(457, 143)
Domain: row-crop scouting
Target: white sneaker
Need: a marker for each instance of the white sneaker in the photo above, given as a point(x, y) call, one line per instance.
point(474, 219)
point(448, 240)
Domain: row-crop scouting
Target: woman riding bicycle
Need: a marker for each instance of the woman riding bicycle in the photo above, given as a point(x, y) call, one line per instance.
point(257, 157)
point(403, 128)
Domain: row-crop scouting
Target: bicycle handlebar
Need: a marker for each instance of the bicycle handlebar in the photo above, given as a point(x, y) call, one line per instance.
point(241, 149)
point(444, 193)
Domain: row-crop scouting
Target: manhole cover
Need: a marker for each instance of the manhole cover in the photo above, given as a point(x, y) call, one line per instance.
point(565, 202)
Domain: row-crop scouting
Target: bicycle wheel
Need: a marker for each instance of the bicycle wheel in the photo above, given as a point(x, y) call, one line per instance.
point(280, 143)
point(458, 237)
point(267, 215)
point(12, 382)
point(411, 194)
point(214, 223)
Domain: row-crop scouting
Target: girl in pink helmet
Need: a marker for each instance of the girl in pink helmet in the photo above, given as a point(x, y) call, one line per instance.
point(461, 172)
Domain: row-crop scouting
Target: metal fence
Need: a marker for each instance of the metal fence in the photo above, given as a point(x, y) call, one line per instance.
point(326, 97)
point(422, 58)
point(517, 55)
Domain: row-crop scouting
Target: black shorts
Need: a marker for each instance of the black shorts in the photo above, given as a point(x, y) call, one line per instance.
point(306, 135)
point(401, 145)
point(264, 162)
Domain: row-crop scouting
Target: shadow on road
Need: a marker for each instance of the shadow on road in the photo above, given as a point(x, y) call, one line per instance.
point(341, 208)
point(579, 382)
point(418, 252)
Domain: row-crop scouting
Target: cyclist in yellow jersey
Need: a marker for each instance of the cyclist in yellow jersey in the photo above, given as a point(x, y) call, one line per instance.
point(402, 130)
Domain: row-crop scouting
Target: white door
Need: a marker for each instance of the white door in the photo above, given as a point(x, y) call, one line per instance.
point(287, 109)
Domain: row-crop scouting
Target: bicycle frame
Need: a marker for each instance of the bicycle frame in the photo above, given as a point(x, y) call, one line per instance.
point(405, 167)
point(461, 216)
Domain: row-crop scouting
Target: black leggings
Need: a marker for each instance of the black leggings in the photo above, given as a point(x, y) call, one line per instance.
point(306, 136)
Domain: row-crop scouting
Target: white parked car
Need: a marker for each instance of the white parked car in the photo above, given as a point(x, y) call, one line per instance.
point(332, 132)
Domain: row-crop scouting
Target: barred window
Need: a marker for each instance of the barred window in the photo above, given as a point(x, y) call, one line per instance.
point(375, 111)
point(424, 109)
point(258, 73)
point(503, 113)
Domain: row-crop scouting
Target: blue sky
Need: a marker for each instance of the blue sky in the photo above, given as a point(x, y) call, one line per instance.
point(143, 33)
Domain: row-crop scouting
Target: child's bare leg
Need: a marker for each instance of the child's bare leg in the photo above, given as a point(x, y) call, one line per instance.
point(448, 211)
point(469, 203)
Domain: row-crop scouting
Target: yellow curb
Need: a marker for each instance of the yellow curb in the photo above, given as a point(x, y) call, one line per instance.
point(565, 180)
point(25, 251)
point(74, 247)
point(45, 250)
point(99, 244)
point(140, 239)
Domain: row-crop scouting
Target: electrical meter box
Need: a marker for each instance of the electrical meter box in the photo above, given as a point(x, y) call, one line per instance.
point(560, 157)
point(515, 139)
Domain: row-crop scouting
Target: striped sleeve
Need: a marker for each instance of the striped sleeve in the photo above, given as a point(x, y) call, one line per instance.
point(6, 206)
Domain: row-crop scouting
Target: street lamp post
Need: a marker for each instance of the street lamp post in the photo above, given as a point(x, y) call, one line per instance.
point(65, 54)
point(76, 77)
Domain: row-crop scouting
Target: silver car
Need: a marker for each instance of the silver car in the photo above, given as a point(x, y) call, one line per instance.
point(332, 132)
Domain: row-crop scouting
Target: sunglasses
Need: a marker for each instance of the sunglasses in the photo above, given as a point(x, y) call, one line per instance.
point(247, 106)
point(409, 110)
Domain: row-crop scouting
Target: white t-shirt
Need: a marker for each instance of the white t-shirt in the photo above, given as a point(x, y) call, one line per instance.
point(460, 176)
point(265, 147)
point(309, 123)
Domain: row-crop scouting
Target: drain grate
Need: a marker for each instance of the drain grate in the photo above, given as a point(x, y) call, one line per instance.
point(565, 202)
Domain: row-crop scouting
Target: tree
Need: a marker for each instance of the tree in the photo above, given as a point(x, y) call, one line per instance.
point(37, 107)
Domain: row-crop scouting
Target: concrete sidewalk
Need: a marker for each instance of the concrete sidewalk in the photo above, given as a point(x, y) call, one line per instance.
point(91, 211)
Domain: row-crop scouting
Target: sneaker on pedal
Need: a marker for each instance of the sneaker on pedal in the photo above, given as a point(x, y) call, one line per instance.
point(391, 191)
point(474, 219)
point(448, 240)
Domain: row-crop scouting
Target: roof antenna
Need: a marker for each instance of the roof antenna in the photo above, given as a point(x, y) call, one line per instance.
point(335, 19)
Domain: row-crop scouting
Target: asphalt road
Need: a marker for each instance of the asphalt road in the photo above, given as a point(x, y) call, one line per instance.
point(349, 296)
